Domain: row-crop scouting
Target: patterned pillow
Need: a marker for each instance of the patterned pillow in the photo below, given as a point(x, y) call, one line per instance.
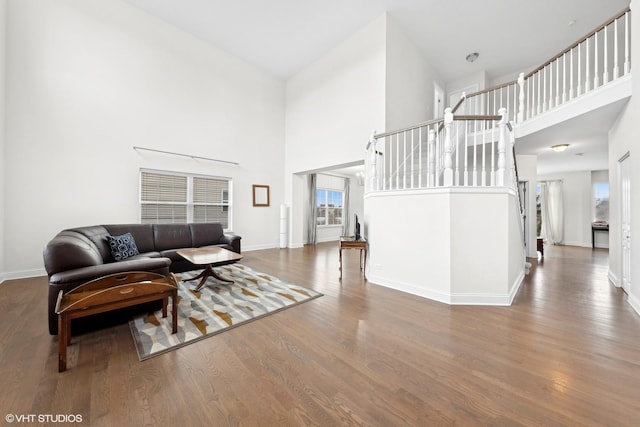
point(122, 247)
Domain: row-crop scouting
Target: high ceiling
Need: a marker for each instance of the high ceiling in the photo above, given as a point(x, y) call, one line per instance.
point(283, 36)
point(511, 36)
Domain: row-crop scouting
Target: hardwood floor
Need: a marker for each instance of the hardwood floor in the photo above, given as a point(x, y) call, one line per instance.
point(566, 353)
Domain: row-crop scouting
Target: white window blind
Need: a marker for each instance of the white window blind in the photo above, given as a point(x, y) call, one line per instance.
point(177, 198)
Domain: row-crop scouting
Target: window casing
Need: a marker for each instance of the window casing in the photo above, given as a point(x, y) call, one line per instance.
point(167, 197)
point(329, 204)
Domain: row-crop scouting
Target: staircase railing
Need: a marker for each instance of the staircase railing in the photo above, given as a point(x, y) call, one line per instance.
point(597, 59)
point(458, 150)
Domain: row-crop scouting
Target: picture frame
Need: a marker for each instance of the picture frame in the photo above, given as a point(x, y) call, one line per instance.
point(260, 195)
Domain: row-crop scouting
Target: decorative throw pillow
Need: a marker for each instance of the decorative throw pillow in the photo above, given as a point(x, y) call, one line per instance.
point(122, 247)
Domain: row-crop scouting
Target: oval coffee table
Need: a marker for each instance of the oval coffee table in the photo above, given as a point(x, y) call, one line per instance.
point(209, 257)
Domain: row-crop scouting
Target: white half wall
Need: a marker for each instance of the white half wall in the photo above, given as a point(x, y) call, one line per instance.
point(454, 245)
point(87, 81)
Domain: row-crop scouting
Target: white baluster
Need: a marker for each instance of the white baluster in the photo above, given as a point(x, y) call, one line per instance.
point(571, 90)
point(538, 98)
point(557, 61)
point(616, 62)
point(545, 106)
point(587, 77)
point(627, 63)
point(448, 171)
point(475, 153)
point(420, 170)
point(466, 156)
point(596, 77)
point(502, 147)
point(579, 91)
point(484, 141)
point(521, 98)
point(431, 149)
point(605, 73)
point(404, 160)
point(564, 78)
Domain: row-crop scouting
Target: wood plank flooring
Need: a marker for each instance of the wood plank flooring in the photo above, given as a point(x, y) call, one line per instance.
point(566, 353)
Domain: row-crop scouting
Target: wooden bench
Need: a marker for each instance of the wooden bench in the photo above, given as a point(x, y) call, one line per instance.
point(110, 293)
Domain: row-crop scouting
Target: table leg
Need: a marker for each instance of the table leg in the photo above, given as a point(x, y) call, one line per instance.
point(174, 311)
point(165, 303)
point(209, 272)
point(340, 251)
point(62, 343)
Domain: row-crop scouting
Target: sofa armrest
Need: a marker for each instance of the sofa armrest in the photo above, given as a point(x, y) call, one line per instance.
point(232, 240)
point(95, 271)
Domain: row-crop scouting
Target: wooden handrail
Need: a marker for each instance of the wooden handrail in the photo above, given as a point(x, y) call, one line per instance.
point(477, 117)
point(581, 40)
point(492, 88)
point(414, 127)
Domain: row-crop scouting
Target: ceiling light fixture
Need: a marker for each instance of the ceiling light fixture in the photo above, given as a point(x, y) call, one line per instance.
point(472, 56)
point(559, 147)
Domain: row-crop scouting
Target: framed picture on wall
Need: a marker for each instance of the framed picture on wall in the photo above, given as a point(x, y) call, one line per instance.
point(260, 195)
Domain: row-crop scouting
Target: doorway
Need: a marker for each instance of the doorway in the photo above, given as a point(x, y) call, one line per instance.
point(624, 170)
point(438, 101)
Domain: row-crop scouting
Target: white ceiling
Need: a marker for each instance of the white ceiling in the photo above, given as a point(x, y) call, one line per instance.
point(283, 36)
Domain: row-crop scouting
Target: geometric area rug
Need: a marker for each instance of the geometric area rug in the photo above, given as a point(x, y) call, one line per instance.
point(216, 308)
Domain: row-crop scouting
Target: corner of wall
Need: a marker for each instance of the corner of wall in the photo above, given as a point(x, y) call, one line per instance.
point(3, 132)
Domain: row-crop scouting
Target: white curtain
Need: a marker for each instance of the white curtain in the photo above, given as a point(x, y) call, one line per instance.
point(552, 212)
point(345, 209)
point(312, 224)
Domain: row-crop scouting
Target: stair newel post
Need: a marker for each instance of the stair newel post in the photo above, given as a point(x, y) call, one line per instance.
point(502, 148)
point(431, 176)
point(448, 171)
point(520, 117)
point(372, 177)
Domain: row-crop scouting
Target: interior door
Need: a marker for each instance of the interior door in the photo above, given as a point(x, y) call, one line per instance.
point(625, 222)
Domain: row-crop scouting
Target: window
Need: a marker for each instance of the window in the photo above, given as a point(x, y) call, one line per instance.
point(173, 198)
point(329, 207)
point(601, 201)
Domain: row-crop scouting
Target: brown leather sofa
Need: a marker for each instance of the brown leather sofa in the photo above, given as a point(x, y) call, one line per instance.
point(78, 255)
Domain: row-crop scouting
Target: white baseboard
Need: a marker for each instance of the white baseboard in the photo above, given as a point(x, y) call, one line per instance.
point(613, 278)
point(23, 274)
point(451, 299)
point(634, 302)
point(260, 247)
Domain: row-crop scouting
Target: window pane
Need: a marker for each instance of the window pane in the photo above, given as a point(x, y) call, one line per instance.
point(601, 196)
point(163, 188)
point(210, 190)
point(153, 213)
point(209, 213)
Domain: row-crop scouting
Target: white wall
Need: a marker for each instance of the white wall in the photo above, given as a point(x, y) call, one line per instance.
point(3, 34)
point(87, 81)
point(623, 138)
point(409, 81)
point(577, 200)
point(331, 108)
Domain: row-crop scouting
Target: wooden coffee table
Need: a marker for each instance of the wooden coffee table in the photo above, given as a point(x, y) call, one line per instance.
point(209, 257)
point(109, 293)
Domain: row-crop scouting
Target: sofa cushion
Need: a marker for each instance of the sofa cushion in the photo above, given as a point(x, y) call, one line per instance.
point(123, 246)
point(171, 236)
point(205, 234)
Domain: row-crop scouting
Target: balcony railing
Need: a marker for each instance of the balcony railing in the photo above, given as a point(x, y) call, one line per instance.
point(595, 60)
